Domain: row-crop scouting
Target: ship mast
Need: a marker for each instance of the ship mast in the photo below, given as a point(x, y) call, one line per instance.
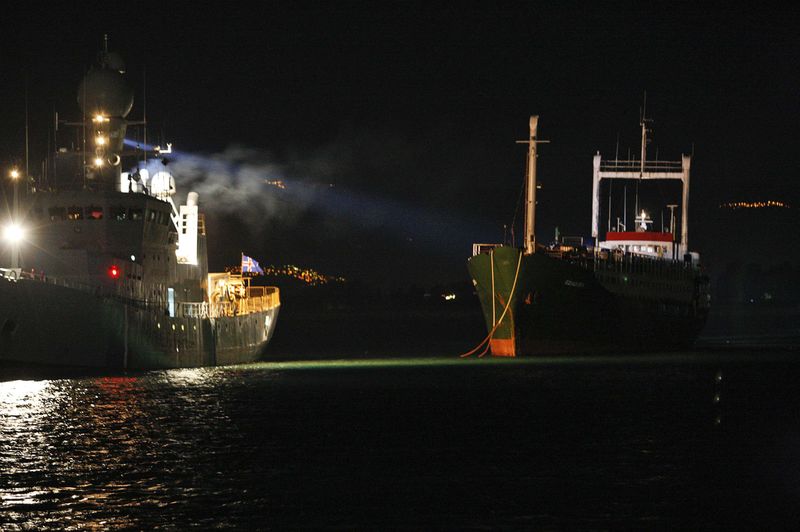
point(530, 193)
point(530, 186)
point(643, 120)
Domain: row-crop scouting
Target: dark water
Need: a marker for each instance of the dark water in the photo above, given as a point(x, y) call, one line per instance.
point(697, 441)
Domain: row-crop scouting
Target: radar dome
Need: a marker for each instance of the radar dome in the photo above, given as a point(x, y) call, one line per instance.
point(105, 91)
point(114, 61)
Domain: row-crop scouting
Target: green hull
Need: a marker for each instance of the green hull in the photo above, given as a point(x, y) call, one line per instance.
point(587, 305)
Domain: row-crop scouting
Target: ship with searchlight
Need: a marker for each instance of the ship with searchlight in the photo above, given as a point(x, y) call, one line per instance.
point(638, 290)
point(105, 269)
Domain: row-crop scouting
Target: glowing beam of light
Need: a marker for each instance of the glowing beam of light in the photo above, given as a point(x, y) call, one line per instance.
point(248, 183)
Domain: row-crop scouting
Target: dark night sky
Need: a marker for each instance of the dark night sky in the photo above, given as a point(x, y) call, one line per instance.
point(411, 111)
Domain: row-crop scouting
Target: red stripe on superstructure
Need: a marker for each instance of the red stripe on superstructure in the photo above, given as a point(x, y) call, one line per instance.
point(644, 236)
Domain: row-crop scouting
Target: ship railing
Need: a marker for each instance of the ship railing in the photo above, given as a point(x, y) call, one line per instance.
point(634, 264)
point(636, 165)
point(192, 310)
point(71, 283)
point(259, 298)
point(477, 249)
point(12, 274)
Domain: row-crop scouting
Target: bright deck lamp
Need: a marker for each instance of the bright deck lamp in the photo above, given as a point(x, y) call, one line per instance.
point(13, 233)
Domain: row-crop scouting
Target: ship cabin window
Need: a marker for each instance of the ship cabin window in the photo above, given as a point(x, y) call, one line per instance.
point(57, 214)
point(94, 212)
point(151, 216)
point(75, 213)
point(137, 214)
point(118, 213)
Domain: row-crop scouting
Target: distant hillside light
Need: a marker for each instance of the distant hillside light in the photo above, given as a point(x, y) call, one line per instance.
point(755, 205)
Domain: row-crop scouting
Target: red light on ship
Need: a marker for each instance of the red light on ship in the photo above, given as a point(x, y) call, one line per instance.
point(113, 272)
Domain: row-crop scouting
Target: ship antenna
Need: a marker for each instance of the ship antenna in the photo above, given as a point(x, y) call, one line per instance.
point(611, 182)
point(27, 172)
point(144, 110)
point(643, 121)
point(83, 138)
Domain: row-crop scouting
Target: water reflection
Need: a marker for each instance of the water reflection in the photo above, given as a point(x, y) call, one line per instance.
point(21, 406)
point(389, 445)
point(19, 399)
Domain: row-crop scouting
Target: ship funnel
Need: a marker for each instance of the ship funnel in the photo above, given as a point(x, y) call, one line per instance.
point(191, 199)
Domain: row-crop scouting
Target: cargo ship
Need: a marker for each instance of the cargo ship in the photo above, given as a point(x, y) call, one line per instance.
point(637, 290)
point(102, 267)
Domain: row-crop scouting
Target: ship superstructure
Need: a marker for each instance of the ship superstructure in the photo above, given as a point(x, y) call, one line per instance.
point(634, 290)
point(110, 270)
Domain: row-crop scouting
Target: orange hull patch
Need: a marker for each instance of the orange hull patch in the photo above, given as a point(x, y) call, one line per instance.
point(503, 347)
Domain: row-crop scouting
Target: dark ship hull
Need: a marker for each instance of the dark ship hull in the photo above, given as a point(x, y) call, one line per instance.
point(538, 304)
point(42, 323)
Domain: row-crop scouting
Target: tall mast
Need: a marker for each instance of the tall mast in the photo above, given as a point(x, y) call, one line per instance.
point(643, 123)
point(144, 111)
point(27, 171)
point(530, 196)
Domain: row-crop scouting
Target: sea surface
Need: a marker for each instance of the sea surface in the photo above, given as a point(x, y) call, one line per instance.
point(698, 441)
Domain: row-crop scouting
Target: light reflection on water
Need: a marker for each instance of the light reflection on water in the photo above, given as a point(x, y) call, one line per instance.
point(77, 449)
point(376, 444)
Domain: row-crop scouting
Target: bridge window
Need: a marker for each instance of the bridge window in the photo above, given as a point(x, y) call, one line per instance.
point(57, 214)
point(151, 216)
point(137, 214)
point(118, 213)
point(75, 213)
